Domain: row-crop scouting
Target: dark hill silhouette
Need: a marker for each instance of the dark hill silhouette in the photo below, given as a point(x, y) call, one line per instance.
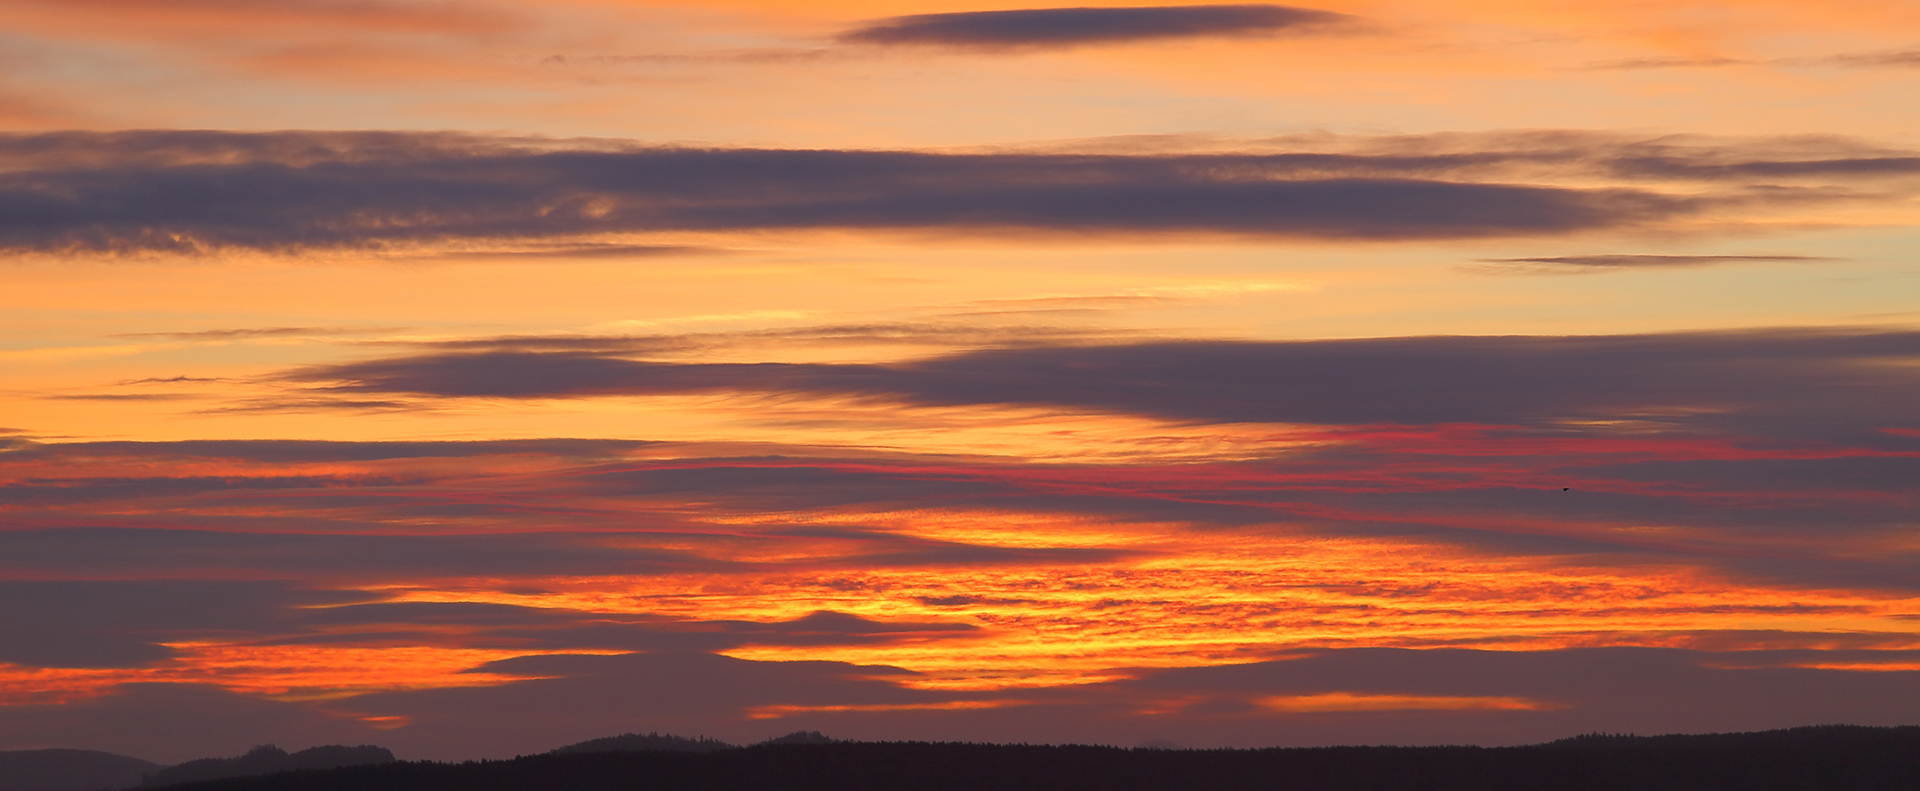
point(268, 759)
point(1834, 758)
point(70, 770)
point(650, 742)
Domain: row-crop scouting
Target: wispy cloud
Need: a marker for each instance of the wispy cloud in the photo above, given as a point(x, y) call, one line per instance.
point(168, 380)
point(118, 397)
point(242, 333)
point(1906, 58)
point(1666, 63)
point(576, 250)
point(1909, 58)
point(1564, 264)
point(943, 334)
point(743, 56)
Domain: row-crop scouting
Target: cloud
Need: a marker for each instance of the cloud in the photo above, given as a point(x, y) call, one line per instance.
point(1908, 58)
point(940, 334)
point(1064, 27)
point(330, 559)
point(281, 451)
point(1640, 690)
point(182, 379)
point(1667, 63)
point(192, 192)
point(121, 623)
point(1763, 381)
point(1576, 263)
point(1722, 496)
point(1895, 58)
point(92, 623)
point(1659, 162)
point(530, 628)
point(197, 191)
point(254, 332)
point(774, 55)
point(56, 491)
point(587, 697)
point(574, 251)
point(1444, 697)
point(118, 397)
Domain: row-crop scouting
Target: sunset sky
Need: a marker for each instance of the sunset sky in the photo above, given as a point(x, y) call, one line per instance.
point(474, 378)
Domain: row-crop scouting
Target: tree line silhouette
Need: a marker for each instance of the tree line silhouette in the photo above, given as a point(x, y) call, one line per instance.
point(1826, 758)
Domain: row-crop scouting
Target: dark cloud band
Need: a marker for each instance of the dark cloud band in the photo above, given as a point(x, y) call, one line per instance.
point(1058, 27)
point(189, 192)
point(1761, 382)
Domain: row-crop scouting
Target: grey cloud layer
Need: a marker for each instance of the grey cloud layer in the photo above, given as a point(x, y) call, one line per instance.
point(1059, 27)
point(1786, 382)
point(182, 553)
point(193, 191)
point(114, 623)
point(120, 623)
point(1746, 512)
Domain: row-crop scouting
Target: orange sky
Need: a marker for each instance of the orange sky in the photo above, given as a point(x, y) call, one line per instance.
point(405, 372)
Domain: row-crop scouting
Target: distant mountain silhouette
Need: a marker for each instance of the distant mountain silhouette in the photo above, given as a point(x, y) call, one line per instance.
point(70, 770)
point(1831, 758)
point(635, 742)
point(268, 759)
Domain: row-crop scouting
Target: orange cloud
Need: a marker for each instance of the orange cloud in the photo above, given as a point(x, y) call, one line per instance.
point(1349, 701)
point(282, 672)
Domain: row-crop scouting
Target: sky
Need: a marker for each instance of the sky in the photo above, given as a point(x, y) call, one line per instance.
point(477, 378)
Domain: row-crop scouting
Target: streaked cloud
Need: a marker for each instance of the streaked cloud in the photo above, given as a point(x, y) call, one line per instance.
point(1348, 701)
point(1897, 58)
point(1592, 263)
point(242, 333)
point(203, 191)
point(433, 581)
point(1066, 27)
point(545, 195)
point(1668, 63)
point(1901, 57)
point(275, 451)
point(1827, 379)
